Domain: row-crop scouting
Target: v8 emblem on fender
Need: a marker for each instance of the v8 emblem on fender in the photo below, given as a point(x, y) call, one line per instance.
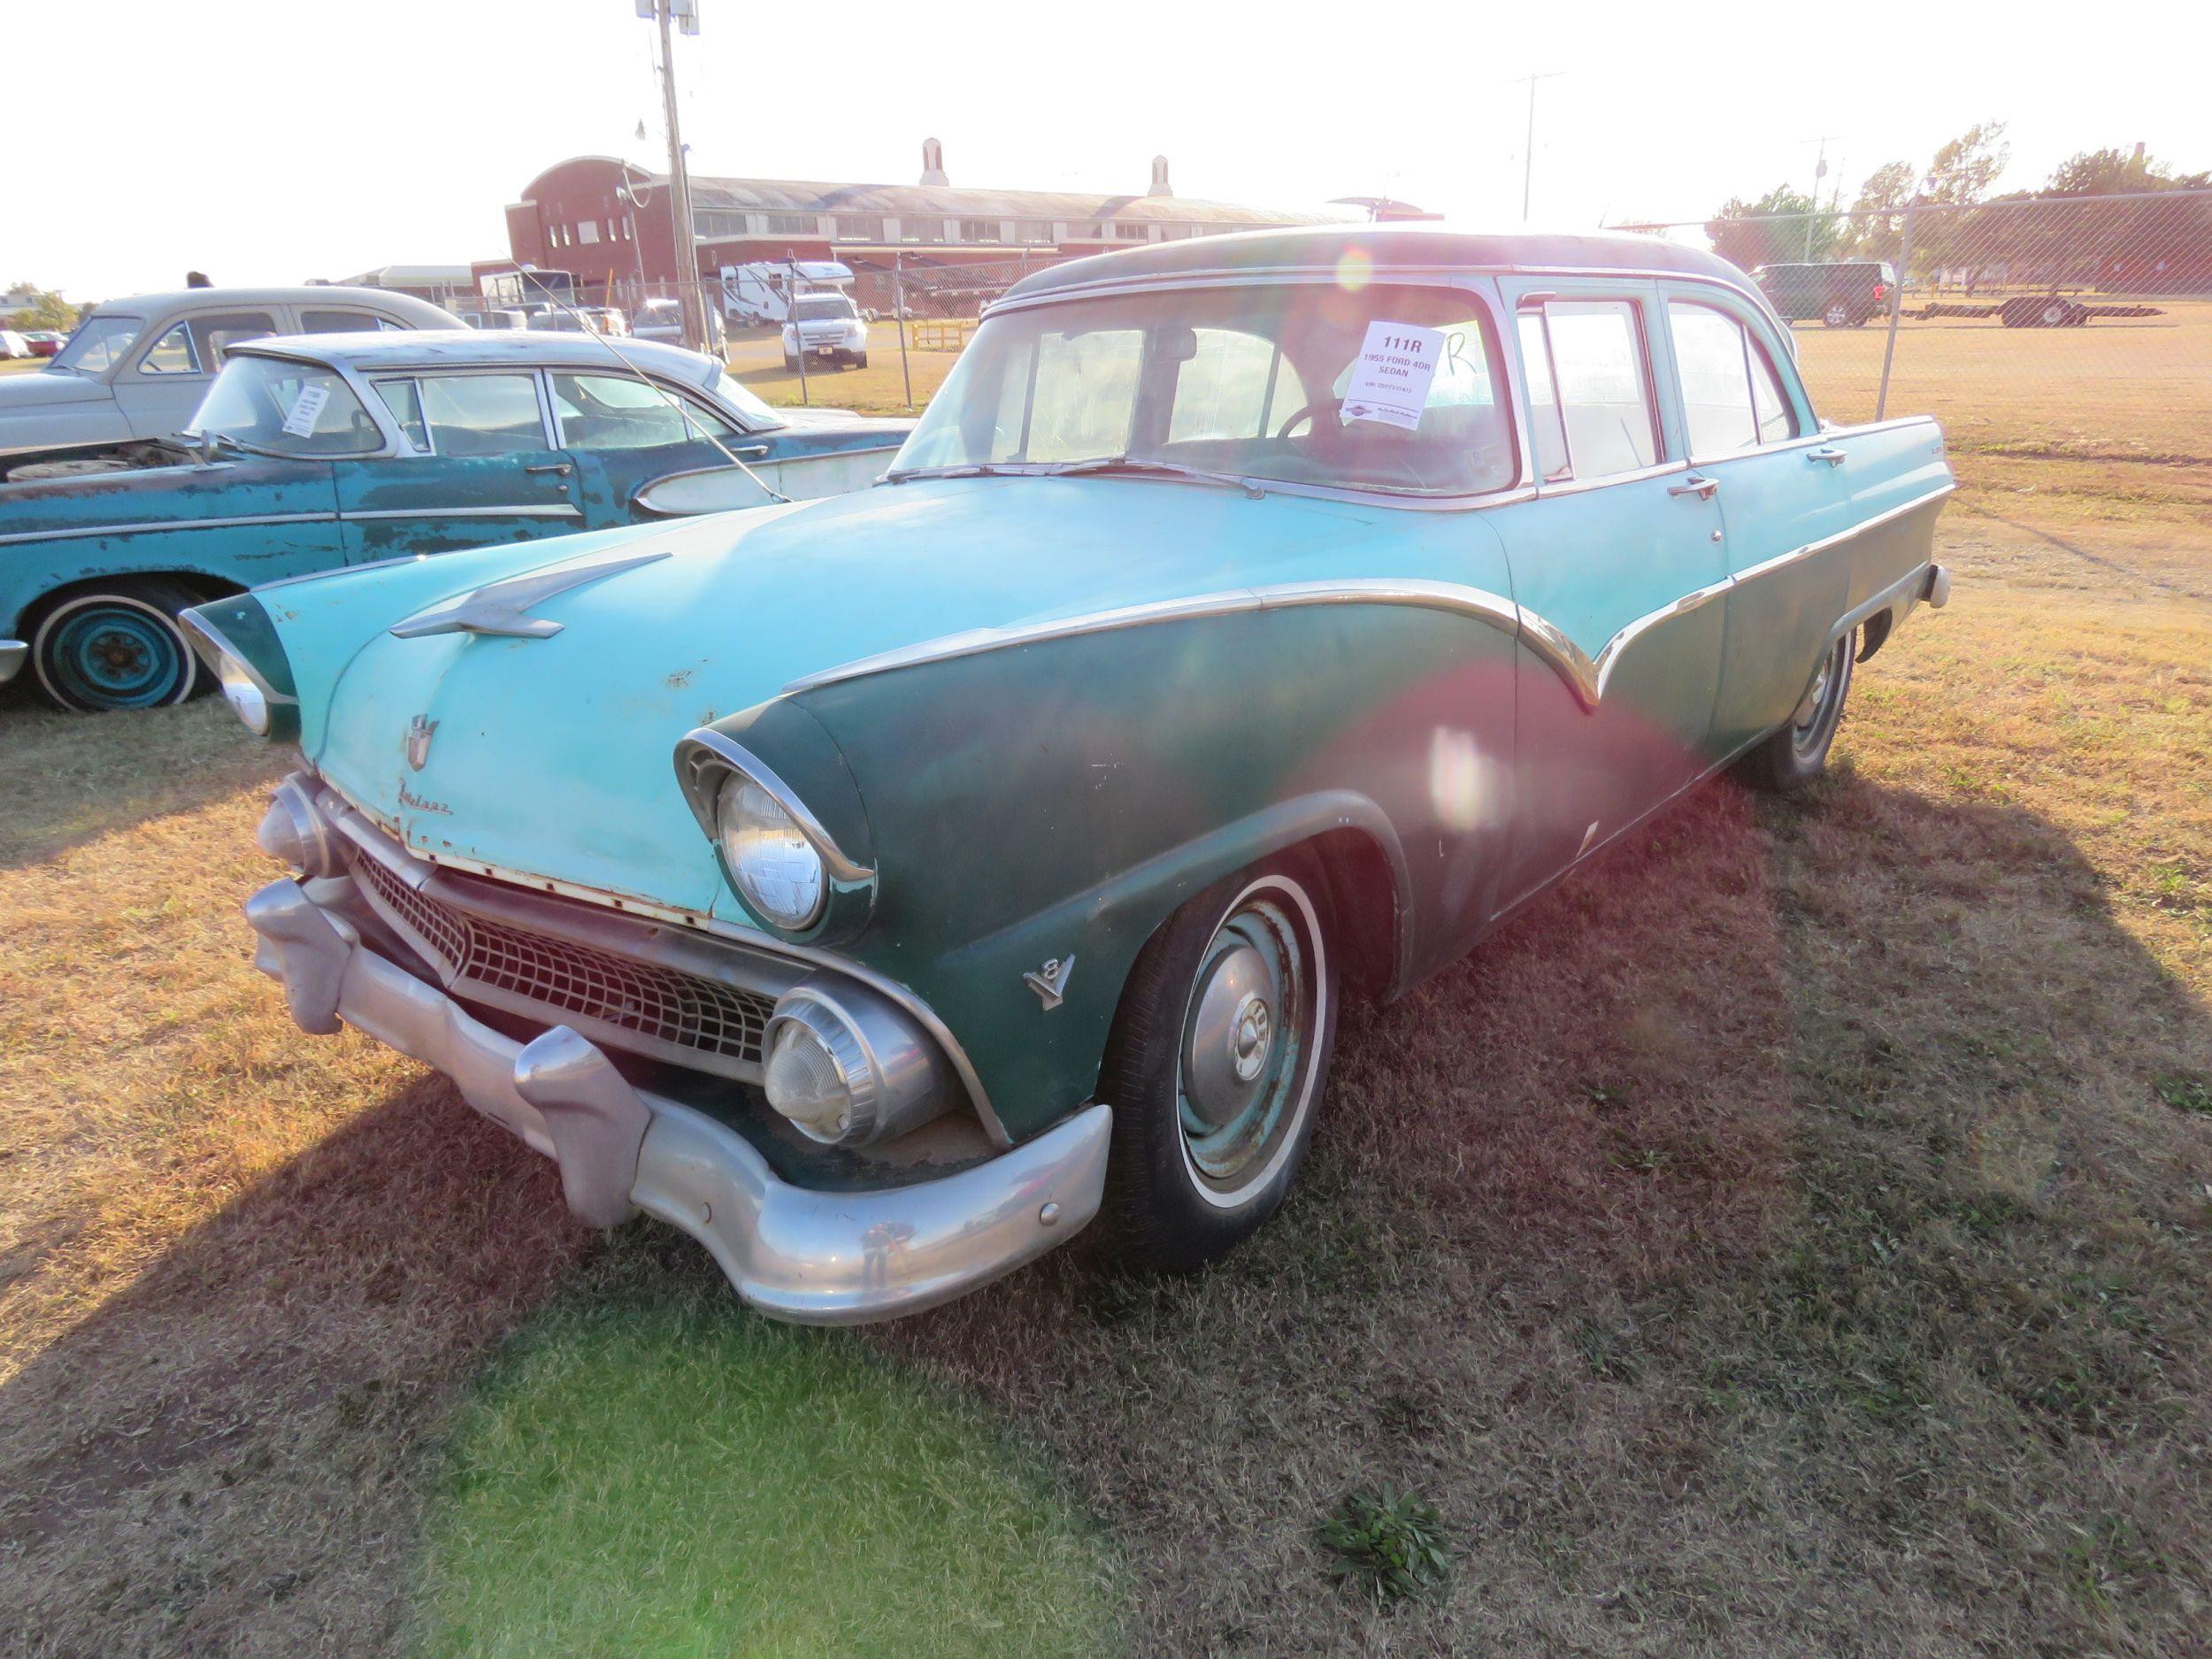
point(419, 732)
point(1050, 982)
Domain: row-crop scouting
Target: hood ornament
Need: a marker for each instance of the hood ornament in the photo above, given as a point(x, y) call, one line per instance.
point(1050, 982)
point(420, 732)
point(498, 607)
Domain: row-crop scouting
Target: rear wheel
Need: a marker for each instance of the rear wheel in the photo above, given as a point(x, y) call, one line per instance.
point(121, 648)
point(1219, 1053)
point(1796, 754)
point(1837, 315)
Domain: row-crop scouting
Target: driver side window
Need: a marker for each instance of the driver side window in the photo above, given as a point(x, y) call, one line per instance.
point(1236, 385)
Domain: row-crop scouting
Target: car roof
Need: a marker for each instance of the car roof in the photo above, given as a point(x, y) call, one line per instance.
point(308, 294)
point(1320, 247)
point(391, 349)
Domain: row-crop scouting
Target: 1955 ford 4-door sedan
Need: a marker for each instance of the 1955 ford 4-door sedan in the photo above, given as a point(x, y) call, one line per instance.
point(334, 449)
point(880, 888)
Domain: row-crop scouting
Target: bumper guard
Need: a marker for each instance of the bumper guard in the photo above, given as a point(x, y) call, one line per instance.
point(817, 1258)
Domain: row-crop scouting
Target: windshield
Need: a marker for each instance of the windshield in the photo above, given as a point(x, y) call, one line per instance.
point(98, 344)
point(1391, 389)
point(290, 408)
point(819, 308)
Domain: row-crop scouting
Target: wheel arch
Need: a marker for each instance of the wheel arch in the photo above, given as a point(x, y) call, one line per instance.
point(202, 584)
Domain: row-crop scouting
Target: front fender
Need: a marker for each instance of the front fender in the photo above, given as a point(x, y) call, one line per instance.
point(1062, 797)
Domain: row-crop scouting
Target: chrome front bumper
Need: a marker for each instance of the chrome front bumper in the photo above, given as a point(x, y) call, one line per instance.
point(818, 1258)
point(13, 653)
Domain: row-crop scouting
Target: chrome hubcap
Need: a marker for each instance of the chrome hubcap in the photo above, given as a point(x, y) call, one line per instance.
point(1244, 1050)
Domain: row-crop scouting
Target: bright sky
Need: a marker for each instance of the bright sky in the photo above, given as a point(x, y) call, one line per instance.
point(271, 141)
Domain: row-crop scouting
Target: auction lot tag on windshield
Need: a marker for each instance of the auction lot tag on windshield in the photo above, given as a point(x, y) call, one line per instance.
point(306, 408)
point(1390, 377)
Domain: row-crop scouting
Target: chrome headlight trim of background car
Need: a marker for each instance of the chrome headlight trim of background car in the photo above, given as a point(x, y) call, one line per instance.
point(1587, 676)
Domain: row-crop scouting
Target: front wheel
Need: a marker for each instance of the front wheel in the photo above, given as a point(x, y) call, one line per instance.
point(1793, 757)
point(122, 649)
point(1219, 1053)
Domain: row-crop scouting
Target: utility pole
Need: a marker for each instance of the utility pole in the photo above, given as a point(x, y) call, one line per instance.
point(686, 14)
point(1528, 148)
point(1820, 171)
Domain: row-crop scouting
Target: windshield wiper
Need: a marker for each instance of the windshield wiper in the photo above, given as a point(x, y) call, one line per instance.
point(224, 441)
point(1123, 463)
point(970, 469)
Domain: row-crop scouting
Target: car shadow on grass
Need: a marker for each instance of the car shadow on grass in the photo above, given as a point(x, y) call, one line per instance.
point(1777, 1239)
point(70, 779)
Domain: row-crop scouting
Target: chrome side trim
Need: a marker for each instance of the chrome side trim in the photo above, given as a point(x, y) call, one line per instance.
point(1586, 676)
point(823, 1257)
point(1476, 603)
point(540, 510)
point(1780, 561)
point(78, 532)
point(13, 655)
point(690, 770)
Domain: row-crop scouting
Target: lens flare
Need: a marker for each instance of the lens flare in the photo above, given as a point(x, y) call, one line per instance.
point(1354, 269)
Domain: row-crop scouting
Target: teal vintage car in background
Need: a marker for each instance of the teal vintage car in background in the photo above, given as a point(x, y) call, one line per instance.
point(879, 888)
point(338, 450)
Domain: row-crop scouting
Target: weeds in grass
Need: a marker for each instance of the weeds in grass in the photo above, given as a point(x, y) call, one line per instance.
point(2185, 1091)
point(1388, 1543)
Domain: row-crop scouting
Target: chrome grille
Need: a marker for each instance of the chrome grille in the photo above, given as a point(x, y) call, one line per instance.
point(664, 1006)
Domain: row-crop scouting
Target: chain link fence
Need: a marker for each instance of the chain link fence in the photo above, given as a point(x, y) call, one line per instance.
point(2070, 328)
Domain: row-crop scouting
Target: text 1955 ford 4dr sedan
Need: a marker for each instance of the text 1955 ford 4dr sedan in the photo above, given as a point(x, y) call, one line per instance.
point(878, 889)
point(337, 450)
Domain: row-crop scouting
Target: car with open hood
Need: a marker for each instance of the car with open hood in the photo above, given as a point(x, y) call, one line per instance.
point(329, 451)
point(880, 888)
point(133, 370)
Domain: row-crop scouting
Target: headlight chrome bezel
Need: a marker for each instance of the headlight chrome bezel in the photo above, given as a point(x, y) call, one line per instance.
point(707, 761)
point(256, 683)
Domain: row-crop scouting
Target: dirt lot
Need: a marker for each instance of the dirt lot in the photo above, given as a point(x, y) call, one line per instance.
point(1791, 1239)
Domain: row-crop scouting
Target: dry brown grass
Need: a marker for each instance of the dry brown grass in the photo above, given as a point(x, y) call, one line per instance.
point(1775, 1243)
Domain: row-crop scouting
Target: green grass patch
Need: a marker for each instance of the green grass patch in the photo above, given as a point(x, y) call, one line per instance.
point(674, 1476)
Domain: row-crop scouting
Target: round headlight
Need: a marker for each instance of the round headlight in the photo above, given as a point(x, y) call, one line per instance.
point(776, 867)
point(247, 700)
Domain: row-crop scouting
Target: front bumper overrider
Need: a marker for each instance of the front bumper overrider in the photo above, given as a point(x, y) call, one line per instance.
point(823, 1257)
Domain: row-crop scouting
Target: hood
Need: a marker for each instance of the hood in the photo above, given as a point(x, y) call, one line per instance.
point(45, 388)
point(553, 757)
point(138, 497)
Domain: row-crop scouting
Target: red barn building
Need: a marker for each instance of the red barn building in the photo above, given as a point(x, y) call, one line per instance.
point(606, 221)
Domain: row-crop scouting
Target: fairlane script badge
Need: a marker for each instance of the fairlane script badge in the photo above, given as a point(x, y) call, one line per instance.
point(419, 732)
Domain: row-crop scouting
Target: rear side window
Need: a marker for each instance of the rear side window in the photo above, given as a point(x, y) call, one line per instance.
point(318, 322)
point(196, 346)
point(603, 411)
point(1590, 412)
point(1730, 396)
point(482, 414)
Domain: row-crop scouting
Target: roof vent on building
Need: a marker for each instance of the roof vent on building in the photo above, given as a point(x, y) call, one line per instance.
point(1160, 186)
point(934, 163)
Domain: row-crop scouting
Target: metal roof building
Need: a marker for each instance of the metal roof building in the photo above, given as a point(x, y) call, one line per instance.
point(606, 220)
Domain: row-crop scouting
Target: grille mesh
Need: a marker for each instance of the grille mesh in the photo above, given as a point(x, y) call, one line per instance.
point(681, 1009)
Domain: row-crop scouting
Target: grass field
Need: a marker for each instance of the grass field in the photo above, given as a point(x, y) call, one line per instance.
point(1792, 1238)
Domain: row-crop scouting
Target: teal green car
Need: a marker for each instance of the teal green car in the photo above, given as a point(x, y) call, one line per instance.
point(882, 888)
point(327, 450)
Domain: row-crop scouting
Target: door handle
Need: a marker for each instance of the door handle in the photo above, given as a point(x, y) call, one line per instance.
point(1833, 457)
point(1694, 484)
point(750, 451)
point(559, 469)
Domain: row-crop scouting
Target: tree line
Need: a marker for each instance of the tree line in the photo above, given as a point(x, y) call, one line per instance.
point(2133, 241)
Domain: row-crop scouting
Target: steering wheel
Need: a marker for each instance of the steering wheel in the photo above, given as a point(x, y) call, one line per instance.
point(1313, 411)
